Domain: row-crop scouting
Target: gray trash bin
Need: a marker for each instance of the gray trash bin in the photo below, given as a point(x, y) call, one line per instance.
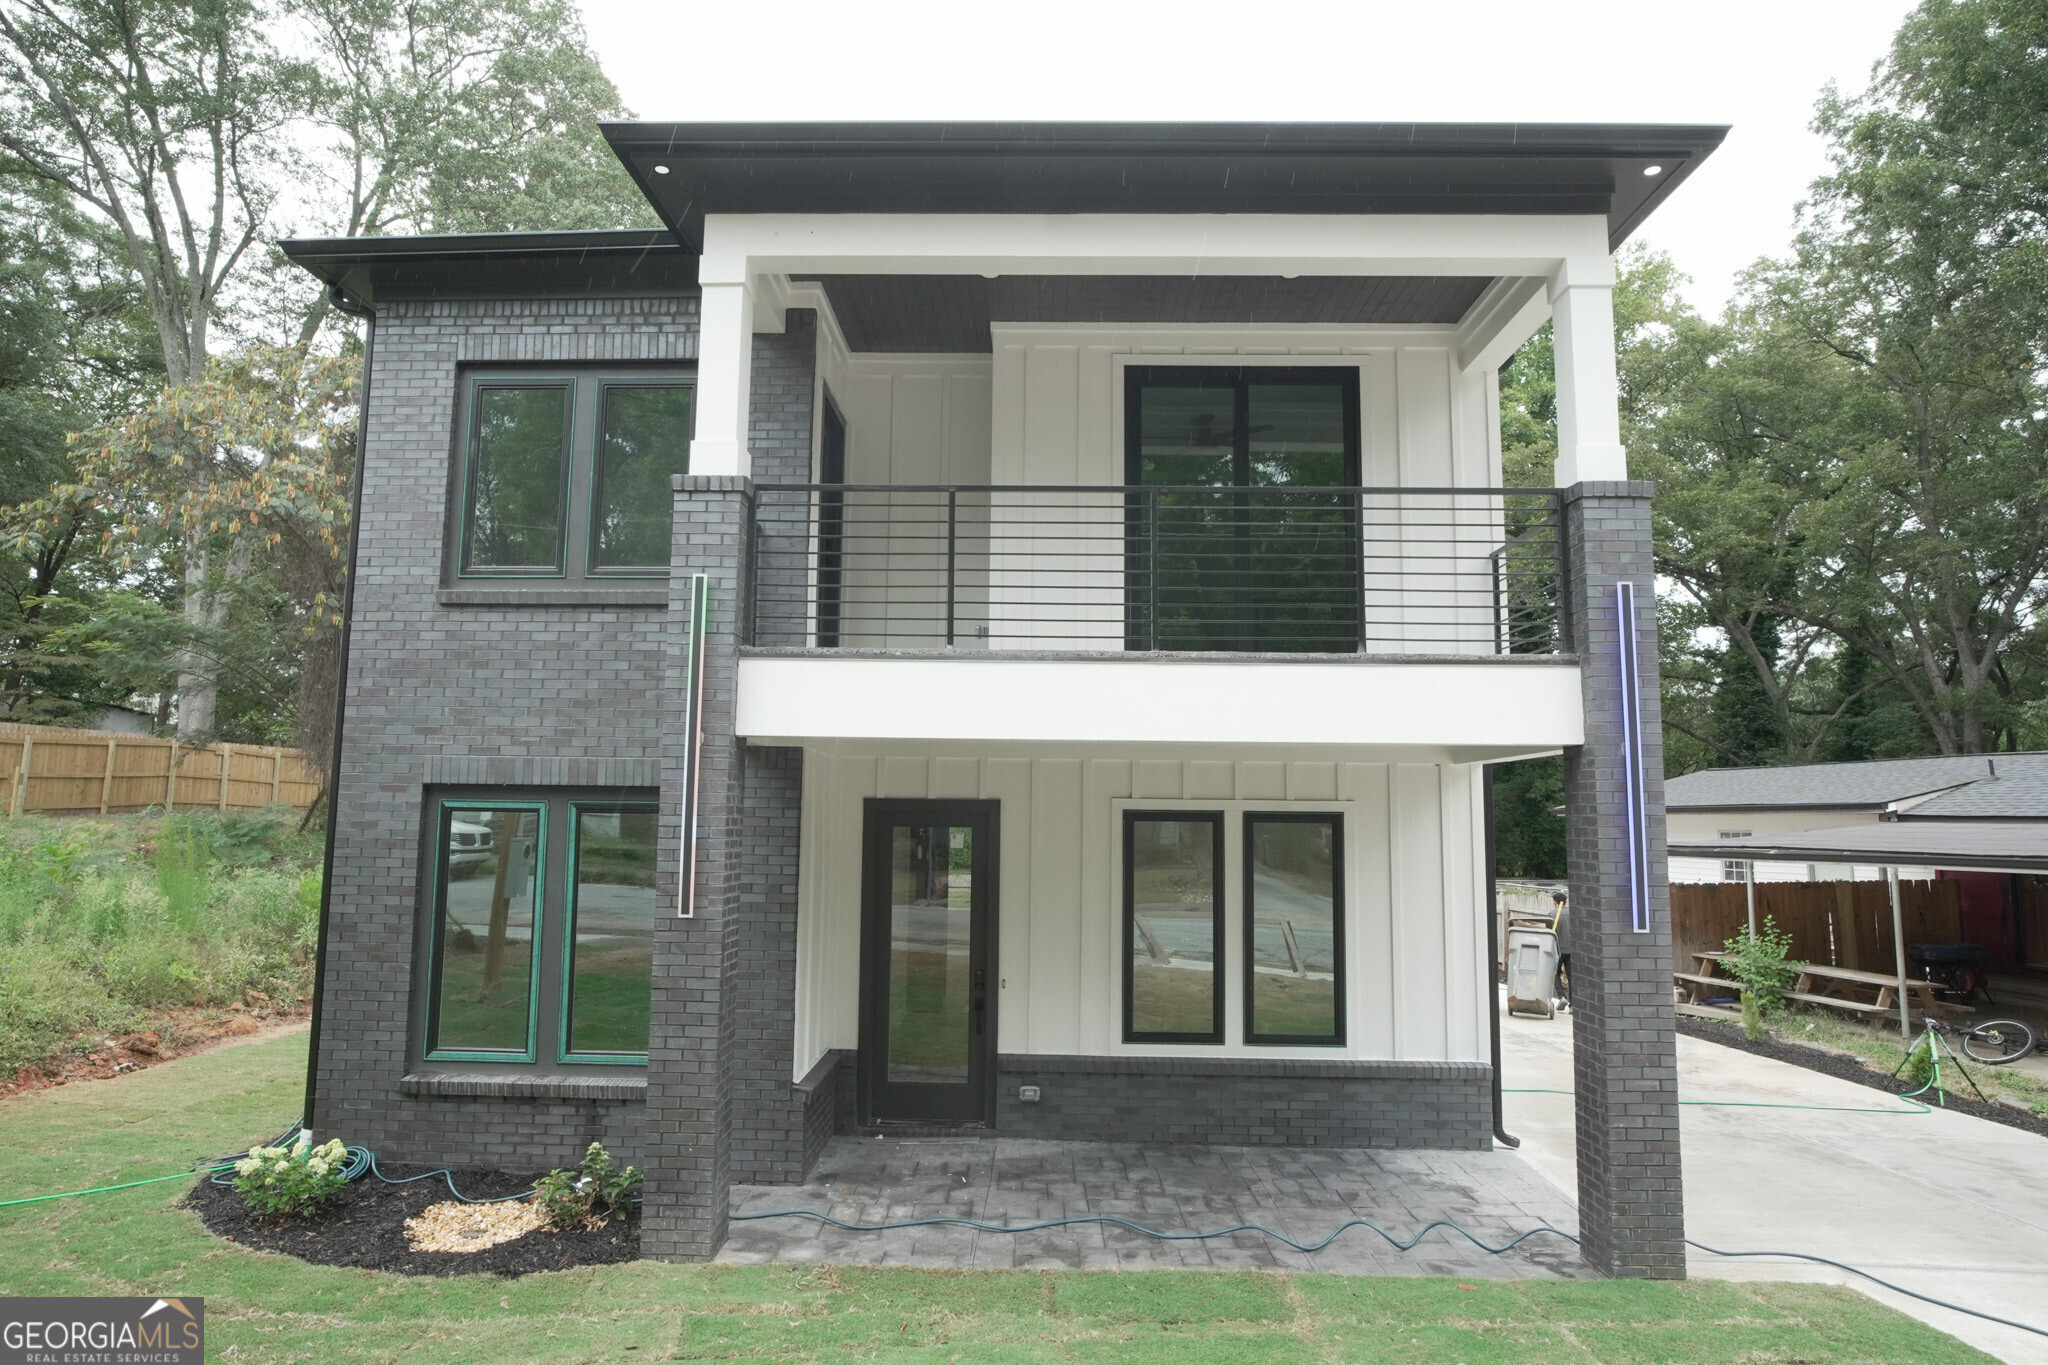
point(1532, 972)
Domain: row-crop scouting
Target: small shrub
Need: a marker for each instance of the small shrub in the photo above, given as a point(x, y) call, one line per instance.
point(1919, 1068)
point(1758, 963)
point(588, 1196)
point(294, 1181)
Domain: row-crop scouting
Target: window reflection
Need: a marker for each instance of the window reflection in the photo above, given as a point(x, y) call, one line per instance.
point(489, 905)
point(1172, 927)
point(1295, 929)
point(611, 918)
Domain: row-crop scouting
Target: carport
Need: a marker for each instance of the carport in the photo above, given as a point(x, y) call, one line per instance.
point(2009, 847)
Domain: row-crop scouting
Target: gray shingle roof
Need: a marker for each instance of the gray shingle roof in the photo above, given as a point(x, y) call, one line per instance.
point(1991, 845)
point(2018, 791)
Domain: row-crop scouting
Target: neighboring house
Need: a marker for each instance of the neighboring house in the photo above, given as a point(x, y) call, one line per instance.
point(1109, 607)
point(1761, 803)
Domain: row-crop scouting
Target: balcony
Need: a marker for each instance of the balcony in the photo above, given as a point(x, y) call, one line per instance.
point(1157, 570)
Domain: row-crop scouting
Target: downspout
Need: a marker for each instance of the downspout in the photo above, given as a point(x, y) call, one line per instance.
point(343, 304)
point(1500, 1131)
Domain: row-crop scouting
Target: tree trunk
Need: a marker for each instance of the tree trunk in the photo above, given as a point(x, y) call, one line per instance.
point(501, 906)
point(198, 688)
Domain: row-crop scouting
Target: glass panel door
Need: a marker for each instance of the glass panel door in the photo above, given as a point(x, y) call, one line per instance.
point(927, 1024)
point(1227, 551)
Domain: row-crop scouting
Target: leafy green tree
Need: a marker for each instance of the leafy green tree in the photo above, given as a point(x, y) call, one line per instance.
point(458, 116)
point(1920, 284)
point(273, 431)
point(1528, 834)
point(75, 347)
point(181, 131)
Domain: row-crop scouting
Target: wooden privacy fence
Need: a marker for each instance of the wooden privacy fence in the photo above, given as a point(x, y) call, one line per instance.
point(1840, 924)
point(103, 772)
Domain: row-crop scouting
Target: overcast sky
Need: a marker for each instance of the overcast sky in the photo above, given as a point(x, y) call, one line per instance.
point(1755, 64)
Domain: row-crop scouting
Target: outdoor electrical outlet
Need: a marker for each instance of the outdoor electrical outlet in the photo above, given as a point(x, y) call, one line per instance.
point(1028, 1093)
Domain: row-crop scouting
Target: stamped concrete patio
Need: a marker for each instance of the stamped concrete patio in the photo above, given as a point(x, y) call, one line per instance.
point(1303, 1192)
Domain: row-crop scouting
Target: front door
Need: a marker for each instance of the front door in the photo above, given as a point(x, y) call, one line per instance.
point(927, 1031)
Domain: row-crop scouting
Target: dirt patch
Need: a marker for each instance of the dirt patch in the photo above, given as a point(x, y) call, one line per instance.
point(365, 1228)
point(170, 1034)
point(1847, 1067)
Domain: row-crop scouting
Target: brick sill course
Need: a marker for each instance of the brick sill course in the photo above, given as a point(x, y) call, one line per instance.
point(493, 1085)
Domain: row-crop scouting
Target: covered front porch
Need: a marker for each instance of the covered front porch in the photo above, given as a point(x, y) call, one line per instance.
point(1304, 1193)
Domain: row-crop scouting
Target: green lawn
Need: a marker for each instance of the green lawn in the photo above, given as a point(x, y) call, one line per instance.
point(271, 1308)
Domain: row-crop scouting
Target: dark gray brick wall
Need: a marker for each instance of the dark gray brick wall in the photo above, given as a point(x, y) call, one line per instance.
point(821, 1092)
point(513, 691)
point(690, 1052)
point(1631, 1211)
point(559, 689)
point(1248, 1103)
point(768, 1111)
point(779, 438)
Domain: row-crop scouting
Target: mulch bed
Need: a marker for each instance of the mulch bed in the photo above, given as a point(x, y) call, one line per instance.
point(1853, 1069)
point(365, 1227)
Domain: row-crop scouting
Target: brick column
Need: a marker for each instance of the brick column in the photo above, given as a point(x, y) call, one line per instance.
point(1631, 1211)
point(688, 1142)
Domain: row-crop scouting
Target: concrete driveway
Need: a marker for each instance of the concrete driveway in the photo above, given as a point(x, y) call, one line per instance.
point(1949, 1205)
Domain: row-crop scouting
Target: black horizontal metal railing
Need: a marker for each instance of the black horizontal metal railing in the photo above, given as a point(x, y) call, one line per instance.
point(1278, 570)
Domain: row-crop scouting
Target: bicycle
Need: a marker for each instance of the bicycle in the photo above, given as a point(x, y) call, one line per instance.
point(1995, 1042)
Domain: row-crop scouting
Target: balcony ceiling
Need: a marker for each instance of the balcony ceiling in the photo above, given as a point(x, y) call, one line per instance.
point(936, 313)
point(690, 169)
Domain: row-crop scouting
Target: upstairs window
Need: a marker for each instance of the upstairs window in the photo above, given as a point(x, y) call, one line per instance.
point(565, 475)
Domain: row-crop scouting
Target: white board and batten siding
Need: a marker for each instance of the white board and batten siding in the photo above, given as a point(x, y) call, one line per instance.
point(1415, 908)
point(1058, 419)
point(1047, 408)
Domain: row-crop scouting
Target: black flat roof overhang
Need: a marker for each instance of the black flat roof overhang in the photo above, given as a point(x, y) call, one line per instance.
point(1517, 168)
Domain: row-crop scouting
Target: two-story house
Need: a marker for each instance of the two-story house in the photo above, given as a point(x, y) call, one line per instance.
point(993, 626)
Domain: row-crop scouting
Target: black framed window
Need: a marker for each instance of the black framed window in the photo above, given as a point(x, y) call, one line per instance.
point(1294, 928)
point(1231, 546)
point(540, 946)
point(1173, 927)
point(565, 475)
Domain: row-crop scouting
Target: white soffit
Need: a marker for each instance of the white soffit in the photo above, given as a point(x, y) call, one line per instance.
point(1487, 709)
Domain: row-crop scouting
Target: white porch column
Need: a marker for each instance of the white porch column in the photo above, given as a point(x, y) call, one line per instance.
point(1588, 395)
point(725, 365)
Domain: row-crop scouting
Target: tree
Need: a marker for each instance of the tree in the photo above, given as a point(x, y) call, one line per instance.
point(75, 347)
point(459, 116)
point(185, 130)
point(164, 117)
point(253, 462)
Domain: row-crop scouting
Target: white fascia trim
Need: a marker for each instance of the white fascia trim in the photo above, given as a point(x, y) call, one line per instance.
point(1479, 710)
point(1189, 245)
point(1512, 310)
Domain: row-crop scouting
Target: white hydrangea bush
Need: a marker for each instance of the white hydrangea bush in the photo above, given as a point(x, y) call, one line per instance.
point(295, 1181)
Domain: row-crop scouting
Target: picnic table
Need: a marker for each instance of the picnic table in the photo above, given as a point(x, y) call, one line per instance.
point(1697, 984)
point(1840, 988)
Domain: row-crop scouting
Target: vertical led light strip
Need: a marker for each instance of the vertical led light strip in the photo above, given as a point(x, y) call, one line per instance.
point(1634, 801)
point(693, 743)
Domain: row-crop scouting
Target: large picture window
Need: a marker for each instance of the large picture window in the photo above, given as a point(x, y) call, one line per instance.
point(1294, 928)
point(566, 475)
point(1173, 927)
point(542, 927)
